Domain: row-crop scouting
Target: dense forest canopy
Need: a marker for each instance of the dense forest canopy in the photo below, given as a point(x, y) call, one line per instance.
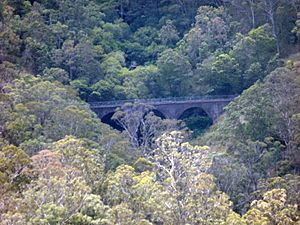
point(102, 48)
point(59, 164)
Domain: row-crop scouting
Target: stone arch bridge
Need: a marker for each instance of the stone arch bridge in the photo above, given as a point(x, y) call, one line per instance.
point(170, 108)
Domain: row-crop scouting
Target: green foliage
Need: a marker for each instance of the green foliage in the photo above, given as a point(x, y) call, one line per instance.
point(186, 185)
point(56, 74)
point(168, 34)
point(87, 39)
point(84, 156)
point(46, 206)
point(140, 82)
point(93, 211)
point(12, 160)
point(272, 209)
point(288, 182)
point(250, 59)
point(208, 34)
point(117, 148)
point(175, 70)
point(40, 108)
point(257, 132)
point(296, 29)
point(198, 124)
point(52, 53)
point(224, 74)
point(177, 178)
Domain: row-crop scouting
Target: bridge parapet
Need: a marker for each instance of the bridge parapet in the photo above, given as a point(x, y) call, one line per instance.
point(169, 100)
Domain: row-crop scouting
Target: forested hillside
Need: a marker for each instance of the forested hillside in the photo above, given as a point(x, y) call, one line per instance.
point(59, 164)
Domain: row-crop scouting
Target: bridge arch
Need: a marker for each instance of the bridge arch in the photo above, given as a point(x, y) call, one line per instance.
point(196, 119)
point(193, 111)
point(107, 119)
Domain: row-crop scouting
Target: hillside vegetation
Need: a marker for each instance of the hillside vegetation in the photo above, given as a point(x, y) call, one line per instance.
point(59, 164)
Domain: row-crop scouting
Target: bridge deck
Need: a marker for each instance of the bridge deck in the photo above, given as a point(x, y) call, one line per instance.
point(163, 101)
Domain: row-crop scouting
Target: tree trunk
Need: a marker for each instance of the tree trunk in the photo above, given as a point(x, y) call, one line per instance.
point(251, 3)
point(270, 6)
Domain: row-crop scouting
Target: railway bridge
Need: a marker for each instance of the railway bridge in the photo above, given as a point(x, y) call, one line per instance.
point(170, 108)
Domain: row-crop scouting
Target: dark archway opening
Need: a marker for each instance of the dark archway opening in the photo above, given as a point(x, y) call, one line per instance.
point(158, 113)
point(197, 120)
point(108, 120)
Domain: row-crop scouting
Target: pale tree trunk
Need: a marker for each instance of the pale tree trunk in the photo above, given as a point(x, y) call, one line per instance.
point(270, 7)
point(182, 6)
point(252, 11)
point(249, 9)
point(121, 9)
